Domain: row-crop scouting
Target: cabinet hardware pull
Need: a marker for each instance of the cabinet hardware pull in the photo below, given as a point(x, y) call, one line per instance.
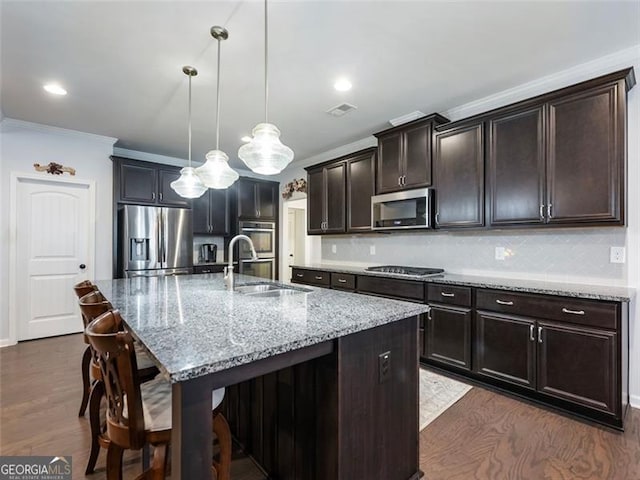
point(404, 180)
point(299, 275)
point(531, 333)
point(429, 313)
point(160, 195)
point(502, 302)
point(318, 277)
point(153, 195)
point(549, 211)
point(445, 294)
point(437, 218)
point(542, 211)
point(574, 312)
point(342, 280)
point(539, 334)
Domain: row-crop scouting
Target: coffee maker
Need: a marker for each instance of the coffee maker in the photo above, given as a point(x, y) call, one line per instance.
point(208, 252)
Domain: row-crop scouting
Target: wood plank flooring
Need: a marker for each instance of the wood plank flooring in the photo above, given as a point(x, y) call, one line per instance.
point(484, 436)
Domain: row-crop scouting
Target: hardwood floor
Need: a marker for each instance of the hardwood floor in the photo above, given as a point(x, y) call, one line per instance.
point(484, 436)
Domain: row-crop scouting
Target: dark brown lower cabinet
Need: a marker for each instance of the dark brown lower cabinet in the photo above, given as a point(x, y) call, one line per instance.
point(448, 336)
point(578, 364)
point(506, 348)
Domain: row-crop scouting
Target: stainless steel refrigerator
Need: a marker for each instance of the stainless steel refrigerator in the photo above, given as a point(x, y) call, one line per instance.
point(156, 241)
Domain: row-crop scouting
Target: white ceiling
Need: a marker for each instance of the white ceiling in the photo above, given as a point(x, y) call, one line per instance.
point(121, 63)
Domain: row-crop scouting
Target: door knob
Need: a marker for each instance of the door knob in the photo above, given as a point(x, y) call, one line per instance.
point(82, 266)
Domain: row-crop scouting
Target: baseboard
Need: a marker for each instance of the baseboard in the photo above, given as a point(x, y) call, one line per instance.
point(6, 342)
point(634, 401)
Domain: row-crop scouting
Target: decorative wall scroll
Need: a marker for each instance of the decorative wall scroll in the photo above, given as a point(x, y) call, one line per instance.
point(54, 169)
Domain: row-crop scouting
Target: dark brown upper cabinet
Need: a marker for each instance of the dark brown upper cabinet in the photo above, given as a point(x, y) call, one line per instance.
point(404, 155)
point(257, 199)
point(326, 187)
point(211, 213)
point(148, 183)
point(360, 189)
point(459, 176)
point(586, 156)
point(516, 167)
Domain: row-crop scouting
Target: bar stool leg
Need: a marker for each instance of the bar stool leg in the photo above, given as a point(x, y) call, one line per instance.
point(86, 381)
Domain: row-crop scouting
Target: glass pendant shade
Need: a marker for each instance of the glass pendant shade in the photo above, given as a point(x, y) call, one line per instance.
point(189, 184)
point(215, 172)
point(265, 153)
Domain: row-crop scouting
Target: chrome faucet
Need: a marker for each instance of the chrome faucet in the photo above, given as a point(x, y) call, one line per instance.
point(229, 280)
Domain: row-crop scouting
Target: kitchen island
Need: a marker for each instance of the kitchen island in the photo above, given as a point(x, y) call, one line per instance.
point(350, 410)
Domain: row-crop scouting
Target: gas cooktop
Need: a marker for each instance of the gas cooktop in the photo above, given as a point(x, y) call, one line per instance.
point(414, 271)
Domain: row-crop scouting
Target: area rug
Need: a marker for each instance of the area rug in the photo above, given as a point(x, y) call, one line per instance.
point(437, 393)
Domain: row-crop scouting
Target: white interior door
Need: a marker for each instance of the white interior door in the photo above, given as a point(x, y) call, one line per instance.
point(291, 237)
point(53, 243)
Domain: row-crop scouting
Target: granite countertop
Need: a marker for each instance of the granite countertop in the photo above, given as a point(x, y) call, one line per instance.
point(564, 289)
point(193, 326)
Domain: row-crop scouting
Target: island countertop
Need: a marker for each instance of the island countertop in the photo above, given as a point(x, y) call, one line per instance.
point(193, 326)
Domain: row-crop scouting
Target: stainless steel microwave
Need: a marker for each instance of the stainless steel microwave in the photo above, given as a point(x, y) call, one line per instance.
point(402, 210)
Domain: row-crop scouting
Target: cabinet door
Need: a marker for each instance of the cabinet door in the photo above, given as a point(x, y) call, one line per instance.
point(247, 200)
point(517, 167)
point(389, 164)
point(417, 157)
point(166, 194)
point(459, 177)
point(586, 156)
point(360, 188)
point(579, 365)
point(335, 198)
point(200, 213)
point(448, 332)
point(505, 348)
point(218, 211)
point(267, 200)
point(315, 201)
point(137, 183)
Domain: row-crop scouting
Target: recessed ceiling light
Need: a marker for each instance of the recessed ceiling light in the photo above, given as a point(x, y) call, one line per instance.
point(55, 89)
point(246, 138)
point(342, 85)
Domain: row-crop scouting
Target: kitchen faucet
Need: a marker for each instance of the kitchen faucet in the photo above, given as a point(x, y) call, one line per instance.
point(229, 280)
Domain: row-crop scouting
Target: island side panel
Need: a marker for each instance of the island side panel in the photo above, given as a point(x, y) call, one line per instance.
point(368, 429)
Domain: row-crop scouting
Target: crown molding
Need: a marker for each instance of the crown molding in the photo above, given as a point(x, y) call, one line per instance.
point(564, 78)
point(39, 127)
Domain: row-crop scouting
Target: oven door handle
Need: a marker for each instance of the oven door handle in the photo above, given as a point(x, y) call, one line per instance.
point(264, 260)
point(258, 229)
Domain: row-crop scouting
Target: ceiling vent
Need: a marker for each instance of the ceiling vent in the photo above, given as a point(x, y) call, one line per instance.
point(409, 117)
point(341, 109)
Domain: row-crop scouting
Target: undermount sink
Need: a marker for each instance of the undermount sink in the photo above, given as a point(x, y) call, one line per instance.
point(266, 289)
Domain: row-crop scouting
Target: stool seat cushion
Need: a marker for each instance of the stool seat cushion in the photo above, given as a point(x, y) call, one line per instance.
point(156, 403)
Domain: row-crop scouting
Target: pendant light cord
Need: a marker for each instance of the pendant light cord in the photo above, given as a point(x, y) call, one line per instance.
point(218, 103)
point(266, 64)
point(189, 121)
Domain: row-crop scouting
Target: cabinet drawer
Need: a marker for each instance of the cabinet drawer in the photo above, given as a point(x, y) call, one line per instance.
point(311, 277)
point(208, 268)
point(391, 287)
point(566, 309)
point(450, 294)
point(343, 281)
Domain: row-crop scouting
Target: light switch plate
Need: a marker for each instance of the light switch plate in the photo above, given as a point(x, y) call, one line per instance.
point(500, 253)
point(617, 255)
point(372, 250)
point(334, 248)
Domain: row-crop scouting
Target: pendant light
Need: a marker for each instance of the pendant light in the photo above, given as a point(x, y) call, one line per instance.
point(189, 184)
point(215, 172)
point(265, 154)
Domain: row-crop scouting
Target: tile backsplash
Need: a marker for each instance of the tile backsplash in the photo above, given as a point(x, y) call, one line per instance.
point(580, 254)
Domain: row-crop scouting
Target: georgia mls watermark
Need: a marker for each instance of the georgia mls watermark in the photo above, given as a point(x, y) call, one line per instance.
point(35, 468)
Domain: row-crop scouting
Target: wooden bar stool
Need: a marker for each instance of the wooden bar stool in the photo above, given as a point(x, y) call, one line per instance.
point(81, 289)
point(140, 413)
point(92, 305)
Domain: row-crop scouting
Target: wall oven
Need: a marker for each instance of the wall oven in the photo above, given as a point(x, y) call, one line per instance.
point(263, 267)
point(263, 236)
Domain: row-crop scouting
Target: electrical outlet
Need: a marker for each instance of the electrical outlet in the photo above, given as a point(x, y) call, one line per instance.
point(372, 249)
point(500, 253)
point(334, 248)
point(384, 367)
point(617, 255)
